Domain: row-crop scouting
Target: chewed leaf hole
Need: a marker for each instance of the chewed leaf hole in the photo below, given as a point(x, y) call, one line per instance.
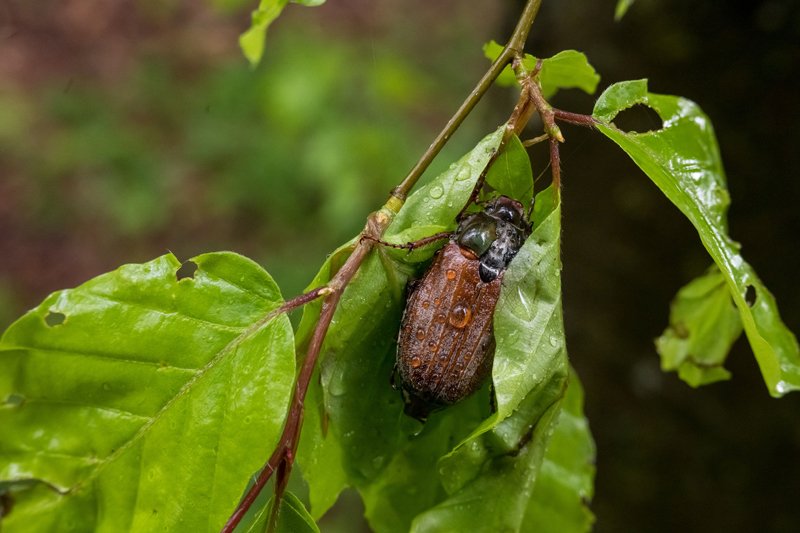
point(15, 400)
point(54, 318)
point(186, 270)
point(638, 119)
point(750, 295)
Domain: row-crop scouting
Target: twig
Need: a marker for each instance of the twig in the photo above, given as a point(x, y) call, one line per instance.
point(575, 118)
point(514, 47)
point(283, 456)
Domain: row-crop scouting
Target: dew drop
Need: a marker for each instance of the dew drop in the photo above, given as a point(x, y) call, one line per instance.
point(553, 340)
point(460, 316)
point(436, 192)
point(443, 357)
point(463, 174)
point(432, 345)
point(426, 304)
point(416, 362)
point(420, 334)
point(437, 302)
point(451, 274)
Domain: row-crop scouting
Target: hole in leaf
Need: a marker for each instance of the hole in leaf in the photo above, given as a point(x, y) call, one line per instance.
point(186, 270)
point(680, 330)
point(54, 318)
point(638, 119)
point(750, 295)
point(15, 400)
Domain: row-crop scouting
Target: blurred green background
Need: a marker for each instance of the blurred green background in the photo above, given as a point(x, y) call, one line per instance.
point(128, 129)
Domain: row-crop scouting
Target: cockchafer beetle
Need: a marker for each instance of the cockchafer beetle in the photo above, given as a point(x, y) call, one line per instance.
point(445, 347)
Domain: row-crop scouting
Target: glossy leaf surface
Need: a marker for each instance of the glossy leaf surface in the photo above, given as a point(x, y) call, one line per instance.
point(703, 325)
point(565, 484)
point(148, 401)
point(358, 354)
point(683, 160)
point(395, 461)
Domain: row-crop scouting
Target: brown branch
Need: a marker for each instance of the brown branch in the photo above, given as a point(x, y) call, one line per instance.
point(575, 118)
point(283, 456)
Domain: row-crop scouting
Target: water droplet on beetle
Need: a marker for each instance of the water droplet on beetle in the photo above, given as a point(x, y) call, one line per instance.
point(436, 192)
point(426, 304)
point(451, 274)
point(420, 334)
point(460, 316)
point(437, 302)
point(415, 362)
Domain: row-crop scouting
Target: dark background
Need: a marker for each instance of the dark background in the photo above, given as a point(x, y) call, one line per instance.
point(131, 128)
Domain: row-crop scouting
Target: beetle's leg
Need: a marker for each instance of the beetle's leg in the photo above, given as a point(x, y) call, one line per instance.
point(413, 245)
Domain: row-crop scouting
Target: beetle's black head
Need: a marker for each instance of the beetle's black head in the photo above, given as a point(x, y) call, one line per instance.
point(508, 210)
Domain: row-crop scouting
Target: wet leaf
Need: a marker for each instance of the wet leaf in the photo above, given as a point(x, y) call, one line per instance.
point(401, 467)
point(703, 325)
point(147, 389)
point(358, 354)
point(565, 483)
point(683, 160)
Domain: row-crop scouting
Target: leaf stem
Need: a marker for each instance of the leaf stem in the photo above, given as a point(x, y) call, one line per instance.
point(575, 118)
point(283, 456)
point(514, 47)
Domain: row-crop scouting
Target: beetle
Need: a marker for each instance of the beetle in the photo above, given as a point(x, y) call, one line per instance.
point(445, 347)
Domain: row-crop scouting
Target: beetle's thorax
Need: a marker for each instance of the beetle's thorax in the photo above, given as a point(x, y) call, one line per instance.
point(495, 235)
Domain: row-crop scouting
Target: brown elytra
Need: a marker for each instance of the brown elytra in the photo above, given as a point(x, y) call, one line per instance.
point(446, 346)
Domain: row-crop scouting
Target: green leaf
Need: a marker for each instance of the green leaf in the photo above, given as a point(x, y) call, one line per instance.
point(252, 40)
point(366, 425)
point(498, 498)
point(568, 69)
point(511, 173)
point(527, 322)
point(394, 461)
point(138, 401)
point(703, 325)
point(492, 51)
point(622, 8)
point(565, 484)
point(683, 160)
point(292, 517)
point(360, 341)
